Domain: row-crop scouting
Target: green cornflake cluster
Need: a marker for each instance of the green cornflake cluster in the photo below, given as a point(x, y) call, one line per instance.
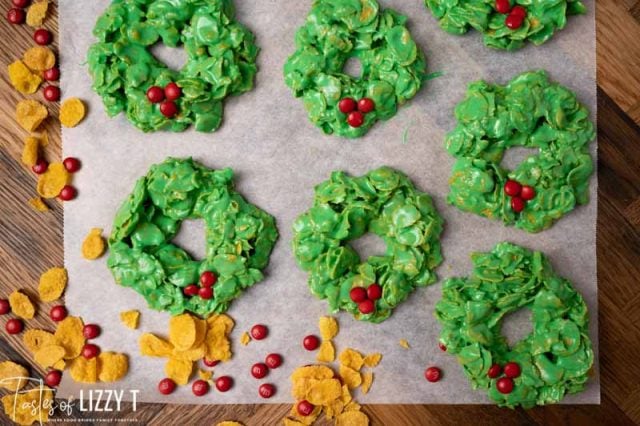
point(239, 237)
point(393, 67)
point(221, 60)
point(385, 202)
point(543, 18)
point(531, 112)
point(555, 359)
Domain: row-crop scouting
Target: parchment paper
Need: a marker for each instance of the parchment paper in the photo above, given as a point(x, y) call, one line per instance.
point(278, 157)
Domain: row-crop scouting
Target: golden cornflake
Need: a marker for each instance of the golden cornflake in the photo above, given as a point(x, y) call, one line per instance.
point(93, 245)
point(289, 422)
point(28, 407)
point(52, 284)
point(48, 356)
point(69, 335)
point(72, 112)
point(23, 79)
point(350, 376)
point(217, 344)
point(229, 423)
point(84, 370)
point(152, 345)
point(182, 331)
point(38, 204)
point(13, 377)
point(372, 360)
point(352, 418)
point(328, 327)
point(30, 151)
point(324, 391)
point(205, 374)
point(112, 366)
point(404, 343)
point(30, 114)
point(130, 318)
point(21, 305)
point(351, 358)
point(192, 354)
point(39, 58)
point(245, 339)
point(51, 182)
point(36, 339)
point(178, 370)
point(326, 353)
point(318, 372)
point(367, 380)
point(37, 12)
point(223, 319)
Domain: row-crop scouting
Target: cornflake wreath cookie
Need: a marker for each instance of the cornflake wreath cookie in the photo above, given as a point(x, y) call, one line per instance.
point(221, 62)
point(393, 67)
point(506, 24)
point(385, 202)
point(551, 362)
point(531, 112)
point(239, 239)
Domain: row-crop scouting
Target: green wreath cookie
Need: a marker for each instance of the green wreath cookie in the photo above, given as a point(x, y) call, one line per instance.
point(221, 62)
point(551, 362)
point(506, 24)
point(239, 239)
point(393, 67)
point(385, 202)
point(532, 112)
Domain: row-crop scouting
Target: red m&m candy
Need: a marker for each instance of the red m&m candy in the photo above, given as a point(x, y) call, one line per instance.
point(512, 370)
point(273, 360)
point(432, 374)
point(14, 326)
point(358, 294)
point(304, 408)
point(172, 91)
point(366, 306)
point(504, 385)
point(200, 387)
point(267, 390)
point(53, 378)
point(208, 279)
point(155, 94)
point(166, 386)
point(503, 6)
point(224, 383)
point(58, 313)
point(374, 291)
point(517, 204)
point(512, 188)
point(311, 342)
point(355, 119)
point(259, 370)
point(259, 331)
point(494, 371)
point(347, 105)
point(366, 105)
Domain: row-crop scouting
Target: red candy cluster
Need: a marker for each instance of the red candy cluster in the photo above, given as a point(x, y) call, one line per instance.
point(260, 370)
point(365, 298)
point(165, 97)
point(519, 194)
point(515, 15)
point(205, 291)
point(356, 110)
point(505, 384)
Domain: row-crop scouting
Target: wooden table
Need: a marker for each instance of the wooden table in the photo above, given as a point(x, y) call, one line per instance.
point(31, 242)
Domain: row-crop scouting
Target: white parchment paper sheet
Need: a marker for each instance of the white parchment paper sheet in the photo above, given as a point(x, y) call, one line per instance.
point(278, 157)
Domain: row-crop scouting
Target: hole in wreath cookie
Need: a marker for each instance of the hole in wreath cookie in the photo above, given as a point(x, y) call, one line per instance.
point(191, 238)
point(516, 326)
point(172, 57)
point(353, 67)
point(368, 245)
point(516, 155)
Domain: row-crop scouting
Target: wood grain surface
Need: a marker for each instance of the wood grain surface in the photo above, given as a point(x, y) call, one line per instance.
point(31, 242)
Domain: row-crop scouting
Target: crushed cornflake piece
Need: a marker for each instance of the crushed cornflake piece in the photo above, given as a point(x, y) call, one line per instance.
point(84, 370)
point(245, 338)
point(13, 377)
point(36, 339)
point(178, 370)
point(182, 331)
point(30, 151)
point(352, 418)
point(39, 58)
point(23, 79)
point(404, 343)
point(49, 355)
point(52, 284)
point(130, 318)
point(38, 204)
point(30, 406)
point(152, 345)
point(72, 112)
point(372, 360)
point(322, 392)
point(36, 13)
point(51, 182)
point(350, 376)
point(367, 380)
point(93, 245)
point(69, 335)
point(21, 305)
point(30, 114)
point(328, 328)
point(351, 358)
point(112, 366)
point(327, 352)
point(205, 374)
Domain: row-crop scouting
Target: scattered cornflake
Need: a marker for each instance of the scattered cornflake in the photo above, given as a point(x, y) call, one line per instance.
point(245, 338)
point(72, 112)
point(37, 12)
point(112, 366)
point(351, 358)
point(352, 418)
point(93, 245)
point(404, 343)
point(328, 328)
point(52, 284)
point(327, 352)
point(30, 114)
point(38, 204)
point(350, 376)
point(21, 305)
point(13, 377)
point(205, 374)
point(372, 360)
point(69, 335)
point(36, 339)
point(22, 78)
point(367, 381)
point(30, 152)
point(31, 406)
point(51, 182)
point(39, 58)
point(49, 355)
point(229, 423)
point(130, 318)
point(178, 370)
point(84, 370)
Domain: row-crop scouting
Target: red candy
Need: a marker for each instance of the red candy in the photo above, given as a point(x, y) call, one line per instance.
point(347, 105)
point(512, 370)
point(14, 326)
point(519, 11)
point(166, 386)
point(68, 193)
point(58, 313)
point(503, 6)
point(40, 167)
point(52, 74)
point(224, 383)
point(273, 360)
point(210, 362)
point(71, 164)
point(155, 94)
point(208, 279)
point(311, 342)
point(355, 119)
point(366, 307)
point(259, 331)
point(267, 390)
point(517, 204)
point(494, 371)
point(504, 385)
point(172, 91)
point(205, 292)
point(512, 188)
point(366, 105)
point(91, 331)
point(16, 16)
point(42, 37)
point(21, 3)
point(358, 294)
point(190, 290)
point(432, 374)
point(51, 93)
point(304, 408)
point(5, 307)
point(90, 351)
point(200, 387)
point(168, 109)
point(259, 370)
point(374, 291)
point(442, 347)
point(53, 378)
point(527, 193)
point(513, 21)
